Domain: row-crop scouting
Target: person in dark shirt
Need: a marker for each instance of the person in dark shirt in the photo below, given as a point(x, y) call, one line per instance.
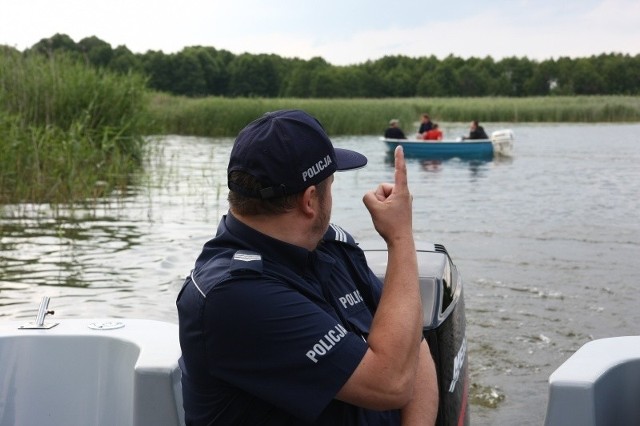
point(425, 124)
point(393, 131)
point(281, 320)
point(476, 131)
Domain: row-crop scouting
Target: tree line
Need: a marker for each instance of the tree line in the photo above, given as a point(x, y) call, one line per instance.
point(200, 71)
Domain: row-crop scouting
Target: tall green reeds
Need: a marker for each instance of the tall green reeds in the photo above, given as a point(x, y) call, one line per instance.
point(225, 117)
point(67, 131)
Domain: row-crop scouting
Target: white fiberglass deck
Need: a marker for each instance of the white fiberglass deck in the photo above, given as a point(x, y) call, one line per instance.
point(72, 374)
point(598, 385)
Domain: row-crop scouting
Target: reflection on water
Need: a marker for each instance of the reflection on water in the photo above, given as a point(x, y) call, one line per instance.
point(60, 250)
point(476, 166)
point(433, 166)
point(547, 243)
point(120, 256)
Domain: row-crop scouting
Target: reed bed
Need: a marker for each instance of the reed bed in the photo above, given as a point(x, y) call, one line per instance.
point(68, 132)
point(225, 116)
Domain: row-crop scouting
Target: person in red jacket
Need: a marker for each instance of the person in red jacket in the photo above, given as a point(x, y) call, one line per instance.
point(435, 134)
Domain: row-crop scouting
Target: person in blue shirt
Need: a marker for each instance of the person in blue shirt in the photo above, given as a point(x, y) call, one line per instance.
point(281, 321)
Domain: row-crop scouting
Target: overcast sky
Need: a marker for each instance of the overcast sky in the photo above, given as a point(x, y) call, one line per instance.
point(341, 31)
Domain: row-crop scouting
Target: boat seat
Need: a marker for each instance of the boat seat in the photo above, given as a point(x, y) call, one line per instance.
point(598, 385)
point(120, 372)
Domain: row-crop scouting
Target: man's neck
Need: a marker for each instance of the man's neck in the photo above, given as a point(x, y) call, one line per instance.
point(285, 227)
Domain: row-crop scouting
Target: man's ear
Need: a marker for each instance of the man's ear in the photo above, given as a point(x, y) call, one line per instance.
point(308, 201)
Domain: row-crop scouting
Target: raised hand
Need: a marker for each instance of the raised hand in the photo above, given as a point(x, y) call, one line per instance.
point(390, 204)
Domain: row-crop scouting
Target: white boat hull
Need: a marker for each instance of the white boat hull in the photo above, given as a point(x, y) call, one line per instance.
point(72, 374)
point(598, 385)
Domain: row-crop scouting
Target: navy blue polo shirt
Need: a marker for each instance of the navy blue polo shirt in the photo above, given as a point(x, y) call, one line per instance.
point(270, 332)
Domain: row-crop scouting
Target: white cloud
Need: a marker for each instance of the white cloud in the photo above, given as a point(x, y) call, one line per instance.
point(341, 32)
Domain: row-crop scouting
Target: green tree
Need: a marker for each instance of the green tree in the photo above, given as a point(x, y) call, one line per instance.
point(620, 73)
point(563, 82)
point(57, 43)
point(542, 81)
point(188, 75)
point(159, 69)
point(123, 61)
point(356, 81)
point(204, 71)
point(473, 80)
point(444, 80)
point(214, 73)
point(516, 71)
point(298, 83)
point(586, 80)
point(254, 75)
point(96, 52)
point(398, 76)
point(425, 68)
point(325, 83)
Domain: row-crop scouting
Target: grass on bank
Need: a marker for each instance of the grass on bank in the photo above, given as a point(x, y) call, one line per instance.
point(67, 131)
point(225, 116)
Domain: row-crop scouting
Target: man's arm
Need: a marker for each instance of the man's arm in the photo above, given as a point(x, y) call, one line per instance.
point(423, 407)
point(386, 376)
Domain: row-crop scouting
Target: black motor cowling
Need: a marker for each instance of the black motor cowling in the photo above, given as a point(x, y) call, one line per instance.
point(443, 325)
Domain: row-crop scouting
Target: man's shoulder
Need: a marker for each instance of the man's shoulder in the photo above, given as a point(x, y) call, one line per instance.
point(223, 264)
point(245, 262)
point(340, 244)
point(336, 234)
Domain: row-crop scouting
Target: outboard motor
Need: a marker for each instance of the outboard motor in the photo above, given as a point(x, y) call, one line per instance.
point(443, 325)
point(502, 141)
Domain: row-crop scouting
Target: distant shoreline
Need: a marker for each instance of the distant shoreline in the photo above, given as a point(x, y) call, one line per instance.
point(219, 116)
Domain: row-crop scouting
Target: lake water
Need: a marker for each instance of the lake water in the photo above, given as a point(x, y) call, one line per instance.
point(548, 243)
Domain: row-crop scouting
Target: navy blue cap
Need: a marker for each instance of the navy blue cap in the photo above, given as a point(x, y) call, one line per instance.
point(287, 152)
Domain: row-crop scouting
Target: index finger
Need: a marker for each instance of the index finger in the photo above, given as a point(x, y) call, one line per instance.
point(400, 169)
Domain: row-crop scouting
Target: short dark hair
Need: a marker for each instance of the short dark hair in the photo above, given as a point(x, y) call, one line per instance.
point(249, 206)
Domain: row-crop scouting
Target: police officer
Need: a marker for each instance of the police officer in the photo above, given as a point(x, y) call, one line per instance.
point(281, 320)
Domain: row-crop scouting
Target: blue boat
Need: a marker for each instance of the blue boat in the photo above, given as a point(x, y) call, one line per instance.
point(500, 144)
